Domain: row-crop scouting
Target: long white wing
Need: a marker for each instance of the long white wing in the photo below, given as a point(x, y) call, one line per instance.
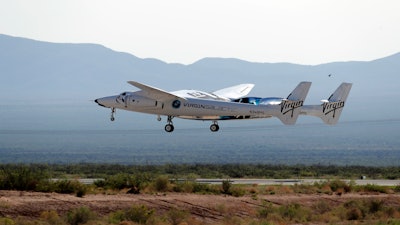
point(234, 92)
point(155, 93)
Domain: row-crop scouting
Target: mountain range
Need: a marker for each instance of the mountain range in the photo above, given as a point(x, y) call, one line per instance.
point(51, 85)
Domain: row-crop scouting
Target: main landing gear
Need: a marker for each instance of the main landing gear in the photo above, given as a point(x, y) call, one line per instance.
point(214, 127)
point(169, 127)
point(112, 114)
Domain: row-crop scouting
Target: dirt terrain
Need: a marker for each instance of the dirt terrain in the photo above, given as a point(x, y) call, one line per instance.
point(206, 208)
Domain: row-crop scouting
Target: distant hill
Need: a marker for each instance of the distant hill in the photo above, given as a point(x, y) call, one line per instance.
point(46, 85)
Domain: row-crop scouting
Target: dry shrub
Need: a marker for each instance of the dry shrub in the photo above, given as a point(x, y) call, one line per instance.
point(304, 189)
point(270, 190)
point(326, 189)
point(221, 208)
point(354, 214)
point(284, 190)
point(51, 217)
point(322, 207)
point(127, 223)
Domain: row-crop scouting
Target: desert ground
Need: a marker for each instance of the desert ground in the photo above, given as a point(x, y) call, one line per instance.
point(208, 209)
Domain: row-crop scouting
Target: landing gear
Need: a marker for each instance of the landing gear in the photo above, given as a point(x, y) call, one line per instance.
point(169, 127)
point(112, 114)
point(214, 127)
point(158, 118)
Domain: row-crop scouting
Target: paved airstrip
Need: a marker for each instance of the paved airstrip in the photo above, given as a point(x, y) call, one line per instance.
point(297, 181)
point(278, 181)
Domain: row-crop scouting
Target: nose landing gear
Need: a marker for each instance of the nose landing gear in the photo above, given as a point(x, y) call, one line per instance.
point(112, 114)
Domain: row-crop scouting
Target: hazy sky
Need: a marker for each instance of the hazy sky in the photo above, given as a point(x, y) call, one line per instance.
point(298, 31)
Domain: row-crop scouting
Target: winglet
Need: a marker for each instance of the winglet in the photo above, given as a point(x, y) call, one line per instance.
point(155, 93)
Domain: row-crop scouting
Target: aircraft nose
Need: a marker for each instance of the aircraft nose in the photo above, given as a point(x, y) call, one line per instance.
point(99, 102)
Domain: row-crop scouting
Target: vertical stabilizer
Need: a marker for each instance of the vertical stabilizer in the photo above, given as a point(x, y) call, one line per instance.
point(332, 108)
point(290, 107)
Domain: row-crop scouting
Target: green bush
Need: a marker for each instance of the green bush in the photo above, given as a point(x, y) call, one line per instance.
point(65, 186)
point(69, 187)
point(22, 178)
point(117, 182)
point(6, 221)
point(139, 214)
point(356, 209)
point(116, 217)
point(138, 182)
point(185, 187)
point(200, 188)
point(294, 212)
point(375, 188)
point(226, 187)
point(79, 216)
point(266, 210)
point(335, 185)
point(161, 184)
point(176, 216)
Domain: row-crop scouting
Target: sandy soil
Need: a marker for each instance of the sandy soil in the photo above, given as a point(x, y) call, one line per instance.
point(207, 208)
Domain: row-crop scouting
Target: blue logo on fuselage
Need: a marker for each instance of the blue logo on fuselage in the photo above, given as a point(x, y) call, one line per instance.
point(176, 104)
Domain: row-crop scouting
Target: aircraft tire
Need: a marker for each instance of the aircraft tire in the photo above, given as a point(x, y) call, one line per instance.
point(169, 128)
point(214, 127)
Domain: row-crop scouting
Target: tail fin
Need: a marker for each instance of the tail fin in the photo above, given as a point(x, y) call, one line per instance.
point(290, 107)
point(332, 108)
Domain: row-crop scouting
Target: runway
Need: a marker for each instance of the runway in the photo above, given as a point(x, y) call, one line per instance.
point(288, 182)
point(297, 181)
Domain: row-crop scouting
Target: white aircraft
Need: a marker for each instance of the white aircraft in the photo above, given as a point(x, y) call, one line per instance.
point(225, 104)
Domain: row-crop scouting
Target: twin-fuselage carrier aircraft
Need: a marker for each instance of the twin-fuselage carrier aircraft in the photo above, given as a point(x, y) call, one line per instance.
point(225, 104)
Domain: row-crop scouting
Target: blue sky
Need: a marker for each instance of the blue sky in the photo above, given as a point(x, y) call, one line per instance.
point(297, 31)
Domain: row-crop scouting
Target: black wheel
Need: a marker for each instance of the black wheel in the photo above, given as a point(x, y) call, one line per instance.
point(112, 118)
point(214, 127)
point(169, 128)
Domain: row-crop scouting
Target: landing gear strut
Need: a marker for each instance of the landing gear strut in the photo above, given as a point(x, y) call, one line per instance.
point(214, 127)
point(169, 127)
point(112, 114)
